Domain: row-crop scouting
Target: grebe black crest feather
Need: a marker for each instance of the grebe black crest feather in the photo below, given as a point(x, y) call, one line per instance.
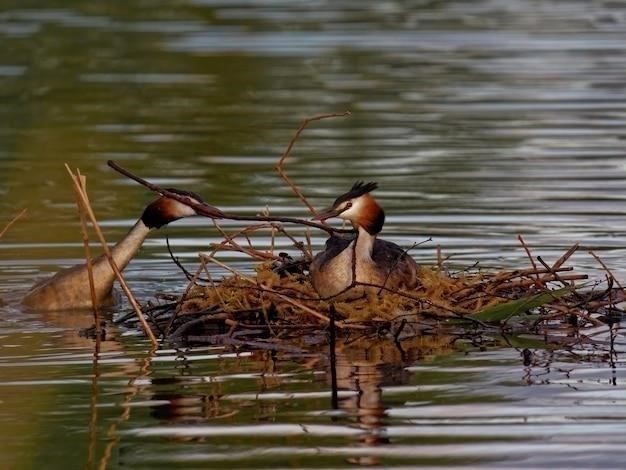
point(358, 189)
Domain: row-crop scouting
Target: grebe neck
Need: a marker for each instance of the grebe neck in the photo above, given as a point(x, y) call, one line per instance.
point(364, 244)
point(124, 251)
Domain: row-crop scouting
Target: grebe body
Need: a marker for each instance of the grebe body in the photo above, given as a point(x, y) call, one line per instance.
point(362, 258)
point(69, 289)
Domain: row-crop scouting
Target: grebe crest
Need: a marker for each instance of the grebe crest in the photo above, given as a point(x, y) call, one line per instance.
point(372, 260)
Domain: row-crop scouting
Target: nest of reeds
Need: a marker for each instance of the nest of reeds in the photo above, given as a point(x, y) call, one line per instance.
point(277, 302)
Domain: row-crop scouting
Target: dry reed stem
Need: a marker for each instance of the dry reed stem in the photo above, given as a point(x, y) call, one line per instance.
point(12, 221)
point(565, 256)
point(281, 162)
point(82, 181)
point(296, 243)
point(543, 280)
point(532, 261)
point(309, 244)
point(604, 266)
point(85, 203)
point(230, 240)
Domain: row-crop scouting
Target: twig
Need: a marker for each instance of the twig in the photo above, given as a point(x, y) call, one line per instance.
point(565, 256)
point(202, 208)
point(532, 261)
point(597, 258)
point(281, 162)
point(230, 240)
point(207, 210)
point(558, 278)
point(12, 221)
point(85, 203)
point(405, 252)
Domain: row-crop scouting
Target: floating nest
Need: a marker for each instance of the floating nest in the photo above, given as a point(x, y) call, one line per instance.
point(277, 307)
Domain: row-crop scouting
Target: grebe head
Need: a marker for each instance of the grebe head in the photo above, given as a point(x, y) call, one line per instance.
point(359, 207)
point(165, 210)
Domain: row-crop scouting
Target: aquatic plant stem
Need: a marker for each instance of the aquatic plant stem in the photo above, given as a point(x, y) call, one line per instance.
point(92, 218)
point(82, 182)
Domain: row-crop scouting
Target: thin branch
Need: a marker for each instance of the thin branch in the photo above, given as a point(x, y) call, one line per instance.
point(202, 208)
point(532, 261)
point(207, 210)
point(12, 221)
point(597, 258)
point(565, 256)
point(281, 162)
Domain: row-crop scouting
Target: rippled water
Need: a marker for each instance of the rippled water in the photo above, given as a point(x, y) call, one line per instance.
point(480, 120)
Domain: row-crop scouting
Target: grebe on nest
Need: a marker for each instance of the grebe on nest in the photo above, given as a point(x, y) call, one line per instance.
point(69, 289)
point(373, 260)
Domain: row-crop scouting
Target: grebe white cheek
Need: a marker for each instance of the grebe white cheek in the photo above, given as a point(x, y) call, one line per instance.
point(364, 259)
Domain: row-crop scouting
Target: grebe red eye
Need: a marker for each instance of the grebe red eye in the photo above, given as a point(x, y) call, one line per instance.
point(348, 205)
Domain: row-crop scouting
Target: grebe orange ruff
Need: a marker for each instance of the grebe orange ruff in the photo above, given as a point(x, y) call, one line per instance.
point(69, 289)
point(374, 261)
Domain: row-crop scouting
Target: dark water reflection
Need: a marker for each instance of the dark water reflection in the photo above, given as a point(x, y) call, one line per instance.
point(480, 121)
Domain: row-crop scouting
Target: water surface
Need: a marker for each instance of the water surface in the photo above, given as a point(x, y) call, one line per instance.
point(479, 120)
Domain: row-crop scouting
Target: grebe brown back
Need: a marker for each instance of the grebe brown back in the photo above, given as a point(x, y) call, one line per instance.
point(69, 289)
point(374, 261)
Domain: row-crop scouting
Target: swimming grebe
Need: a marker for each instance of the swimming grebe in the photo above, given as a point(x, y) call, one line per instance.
point(374, 261)
point(69, 289)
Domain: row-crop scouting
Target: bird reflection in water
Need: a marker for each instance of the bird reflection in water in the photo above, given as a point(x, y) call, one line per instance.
point(366, 367)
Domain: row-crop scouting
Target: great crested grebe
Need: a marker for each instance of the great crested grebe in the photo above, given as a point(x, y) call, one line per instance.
point(373, 261)
point(69, 289)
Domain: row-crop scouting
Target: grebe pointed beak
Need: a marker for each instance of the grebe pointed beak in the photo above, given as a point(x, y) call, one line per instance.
point(327, 213)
